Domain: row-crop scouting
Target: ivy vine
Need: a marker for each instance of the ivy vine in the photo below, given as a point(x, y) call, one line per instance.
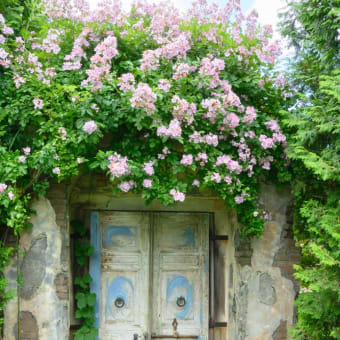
point(5, 294)
point(85, 299)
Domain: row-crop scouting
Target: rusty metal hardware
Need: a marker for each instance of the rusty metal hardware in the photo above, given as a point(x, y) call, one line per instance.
point(181, 302)
point(174, 325)
point(220, 238)
point(175, 335)
point(119, 302)
point(154, 336)
point(214, 324)
point(145, 334)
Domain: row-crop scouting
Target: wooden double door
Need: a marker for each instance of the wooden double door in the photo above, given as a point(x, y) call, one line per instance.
point(149, 269)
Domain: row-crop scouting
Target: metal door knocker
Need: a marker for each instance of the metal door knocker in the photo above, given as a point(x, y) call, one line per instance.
point(119, 302)
point(181, 302)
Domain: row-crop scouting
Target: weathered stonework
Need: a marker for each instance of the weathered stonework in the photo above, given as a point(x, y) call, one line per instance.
point(254, 288)
point(267, 291)
point(43, 314)
point(267, 311)
point(33, 267)
point(28, 327)
point(243, 249)
point(281, 331)
point(62, 286)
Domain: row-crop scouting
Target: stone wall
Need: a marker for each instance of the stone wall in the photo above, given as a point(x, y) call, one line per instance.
point(253, 282)
point(44, 295)
point(264, 289)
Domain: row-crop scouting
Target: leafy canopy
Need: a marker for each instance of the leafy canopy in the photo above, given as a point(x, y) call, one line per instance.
point(163, 103)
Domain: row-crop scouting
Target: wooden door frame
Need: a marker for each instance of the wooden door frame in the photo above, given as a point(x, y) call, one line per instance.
point(223, 224)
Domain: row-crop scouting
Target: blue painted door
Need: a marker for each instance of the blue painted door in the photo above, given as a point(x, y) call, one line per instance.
point(181, 274)
point(148, 269)
point(121, 279)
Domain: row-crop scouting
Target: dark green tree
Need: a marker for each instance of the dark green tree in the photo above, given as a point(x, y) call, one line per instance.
point(313, 127)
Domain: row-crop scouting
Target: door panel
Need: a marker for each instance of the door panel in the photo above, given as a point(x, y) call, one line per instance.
point(180, 270)
point(125, 253)
point(154, 267)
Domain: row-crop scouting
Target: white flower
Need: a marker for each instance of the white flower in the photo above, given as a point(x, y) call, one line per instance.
point(10, 195)
point(56, 171)
point(90, 127)
point(27, 150)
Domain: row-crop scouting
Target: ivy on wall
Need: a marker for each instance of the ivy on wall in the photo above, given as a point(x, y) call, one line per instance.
point(5, 294)
point(85, 299)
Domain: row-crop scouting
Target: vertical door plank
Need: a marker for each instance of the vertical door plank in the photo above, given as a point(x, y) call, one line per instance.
point(181, 273)
point(95, 260)
point(124, 276)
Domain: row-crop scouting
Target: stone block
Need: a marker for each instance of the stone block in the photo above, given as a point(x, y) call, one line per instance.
point(281, 331)
point(28, 327)
point(33, 267)
point(62, 286)
point(267, 292)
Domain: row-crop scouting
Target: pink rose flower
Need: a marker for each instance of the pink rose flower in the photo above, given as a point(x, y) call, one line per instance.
point(126, 185)
point(272, 125)
point(27, 151)
point(63, 133)
point(38, 103)
point(7, 30)
point(187, 160)
point(216, 177)
point(90, 127)
point(177, 195)
point(10, 195)
point(148, 168)
point(147, 183)
point(164, 85)
point(250, 115)
point(266, 142)
point(228, 180)
point(239, 199)
point(196, 183)
point(232, 120)
point(3, 187)
point(118, 165)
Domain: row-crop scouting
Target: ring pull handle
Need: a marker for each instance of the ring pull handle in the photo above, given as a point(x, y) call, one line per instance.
point(181, 302)
point(119, 302)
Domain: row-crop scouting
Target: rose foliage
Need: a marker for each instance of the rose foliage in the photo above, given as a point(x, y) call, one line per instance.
point(164, 102)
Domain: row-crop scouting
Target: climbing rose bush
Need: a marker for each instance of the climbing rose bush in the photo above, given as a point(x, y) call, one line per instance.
point(165, 103)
